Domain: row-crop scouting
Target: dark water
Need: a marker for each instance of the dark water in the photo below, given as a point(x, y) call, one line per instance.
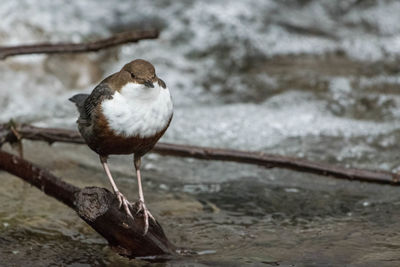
point(274, 217)
point(313, 79)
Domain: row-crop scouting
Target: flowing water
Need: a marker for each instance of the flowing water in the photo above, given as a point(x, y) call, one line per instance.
point(305, 78)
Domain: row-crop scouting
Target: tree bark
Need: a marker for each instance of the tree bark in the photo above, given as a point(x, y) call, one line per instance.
point(48, 48)
point(207, 153)
point(98, 207)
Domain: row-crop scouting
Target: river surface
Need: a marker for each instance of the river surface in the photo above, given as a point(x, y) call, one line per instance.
point(306, 78)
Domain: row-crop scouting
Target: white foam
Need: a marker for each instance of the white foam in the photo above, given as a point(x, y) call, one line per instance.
point(202, 41)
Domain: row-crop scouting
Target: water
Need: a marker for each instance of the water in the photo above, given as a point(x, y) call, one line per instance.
point(313, 79)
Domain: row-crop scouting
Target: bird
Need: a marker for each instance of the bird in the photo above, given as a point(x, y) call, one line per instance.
point(126, 113)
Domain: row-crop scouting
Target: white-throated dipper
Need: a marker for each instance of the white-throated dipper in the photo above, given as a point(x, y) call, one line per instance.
point(127, 113)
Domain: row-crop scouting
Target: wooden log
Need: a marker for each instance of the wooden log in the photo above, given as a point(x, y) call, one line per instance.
point(98, 207)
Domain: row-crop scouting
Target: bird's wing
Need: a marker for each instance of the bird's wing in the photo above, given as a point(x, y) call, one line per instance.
point(99, 93)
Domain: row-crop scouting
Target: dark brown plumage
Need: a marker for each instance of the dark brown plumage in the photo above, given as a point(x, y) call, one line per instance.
point(104, 141)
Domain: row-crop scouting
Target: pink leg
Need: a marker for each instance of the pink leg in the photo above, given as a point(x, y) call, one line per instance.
point(141, 204)
point(121, 198)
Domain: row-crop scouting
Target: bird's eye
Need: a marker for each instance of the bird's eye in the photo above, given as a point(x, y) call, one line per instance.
point(133, 75)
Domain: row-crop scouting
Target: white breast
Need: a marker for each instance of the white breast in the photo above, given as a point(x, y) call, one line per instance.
point(138, 110)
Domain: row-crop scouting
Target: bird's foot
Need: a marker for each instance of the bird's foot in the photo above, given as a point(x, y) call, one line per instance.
point(123, 202)
point(146, 215)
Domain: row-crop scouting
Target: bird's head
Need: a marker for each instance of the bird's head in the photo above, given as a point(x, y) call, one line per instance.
point(141, 72)
point(137, 79)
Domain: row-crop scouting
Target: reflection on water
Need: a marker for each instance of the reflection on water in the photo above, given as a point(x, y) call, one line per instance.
point(313, 79)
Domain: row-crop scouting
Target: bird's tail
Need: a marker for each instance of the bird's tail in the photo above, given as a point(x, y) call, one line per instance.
point(79, 101)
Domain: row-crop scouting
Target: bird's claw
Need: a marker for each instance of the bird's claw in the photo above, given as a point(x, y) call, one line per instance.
point(146, 215)
point(141, 207)
point(123, 202)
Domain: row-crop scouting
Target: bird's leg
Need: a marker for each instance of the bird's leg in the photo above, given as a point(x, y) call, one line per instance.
point(123, 201)
point(141, 204)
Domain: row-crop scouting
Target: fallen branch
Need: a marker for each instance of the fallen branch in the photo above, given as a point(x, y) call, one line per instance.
point(257, 158)
point(48, 48)
point(96, 206)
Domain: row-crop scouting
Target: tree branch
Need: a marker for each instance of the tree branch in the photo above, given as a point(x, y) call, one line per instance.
point(48, 48)
point(96, 206)
point(206, 153)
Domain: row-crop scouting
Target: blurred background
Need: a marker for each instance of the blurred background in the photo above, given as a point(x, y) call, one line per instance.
point(304, 78)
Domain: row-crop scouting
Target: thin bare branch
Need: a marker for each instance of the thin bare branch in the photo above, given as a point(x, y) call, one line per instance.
point(48, 48)
point(207, 153)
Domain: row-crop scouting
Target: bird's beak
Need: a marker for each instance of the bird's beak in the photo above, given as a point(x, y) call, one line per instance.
point(149, 84)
